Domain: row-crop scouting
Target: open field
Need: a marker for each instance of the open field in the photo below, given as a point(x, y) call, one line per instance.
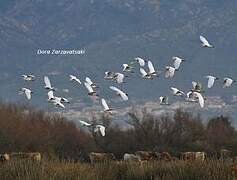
point(210, 169)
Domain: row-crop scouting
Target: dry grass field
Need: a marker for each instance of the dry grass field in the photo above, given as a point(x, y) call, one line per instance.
point(30, 170)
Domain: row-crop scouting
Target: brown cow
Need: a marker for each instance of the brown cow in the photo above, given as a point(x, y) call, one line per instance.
point(100, 157)
point(131, 157)
point(165, 156)
point(4, 157)
point(193, 156)
point(225, 154)
point(146, 155)
point(36, 156)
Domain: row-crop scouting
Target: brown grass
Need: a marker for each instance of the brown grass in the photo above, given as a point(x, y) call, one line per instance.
point(210, 169)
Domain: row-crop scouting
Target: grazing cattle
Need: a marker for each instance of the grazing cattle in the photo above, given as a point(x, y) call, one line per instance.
point(100, 157)
point(193, 156)
point(225, 154)
point(234, 170)
point(4, 157)
point(36, 156)
point(165, 156)
point(146, 155)
point(130, 157)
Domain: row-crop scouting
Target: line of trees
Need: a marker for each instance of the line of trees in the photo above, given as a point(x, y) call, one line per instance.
point(26, 129)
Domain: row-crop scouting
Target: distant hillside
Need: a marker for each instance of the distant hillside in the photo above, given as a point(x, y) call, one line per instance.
point(113, 32)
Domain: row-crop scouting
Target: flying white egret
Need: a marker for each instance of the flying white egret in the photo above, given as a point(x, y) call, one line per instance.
point(57, 102)
point(51, 98)
point(28, 77)
point(205, 43)
point(48, 84)
point(228, 82)
point(101, 129)
point(211, 81)
point(176, 91)
point(97, 127)
point(89, 81)
point(169, 73)
point(50, 95)
point(177, 61)
point(85, 123)
point(109, 75)
point(27, 92)
point(122, 94)
point(145, 75)
point(197, 86)
point(119, 77)
point(127, 68)
point(105, 106)
point(199, 98)
point(151, 68)
point(74, 78)
point(140, 61)
point(91, 91)
point(164, 100)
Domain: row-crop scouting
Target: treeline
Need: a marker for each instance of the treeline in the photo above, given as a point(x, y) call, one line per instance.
point(24, 129)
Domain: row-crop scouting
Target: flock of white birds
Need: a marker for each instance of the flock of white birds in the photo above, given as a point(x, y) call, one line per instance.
point(194, 95)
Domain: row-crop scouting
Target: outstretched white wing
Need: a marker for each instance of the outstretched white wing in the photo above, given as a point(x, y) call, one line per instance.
point(50, 95)
point(227, 82)
point(27, 93)
point(85, 123)
point(140, 61)
point(123, 95)
point(200, 99)
point(169, 72)
point(74, 78)
point(151, 67)
point(119, 77)
point(47, 81)
point(101, 129)
point(105, 105)
point(204, 41)
point(88, 87)
point(88, 80)
point(211, 81)
point(176, 61)
point(144, 73)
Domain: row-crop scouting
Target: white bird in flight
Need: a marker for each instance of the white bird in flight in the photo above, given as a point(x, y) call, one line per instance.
point(164, 100)
point(119, 77)
point(105, 106)
point(27, 92)
point(97, 127)
point(177, 61)
point(199, 98)
point(140, 61)
point(92, 84)
point(145, 75)
point(28, 77)
point(205, 42)
point(211, 81)
point(151, 68)
point(101, 129)
point(169, 73)
point(197, 86)
point(127, 68)
point(91, 91)
point(109, 75)
point(119, 92)
point(228, 82)
point(48, 84)
point(176, 91)
point(52, 98)
point(74, 78)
